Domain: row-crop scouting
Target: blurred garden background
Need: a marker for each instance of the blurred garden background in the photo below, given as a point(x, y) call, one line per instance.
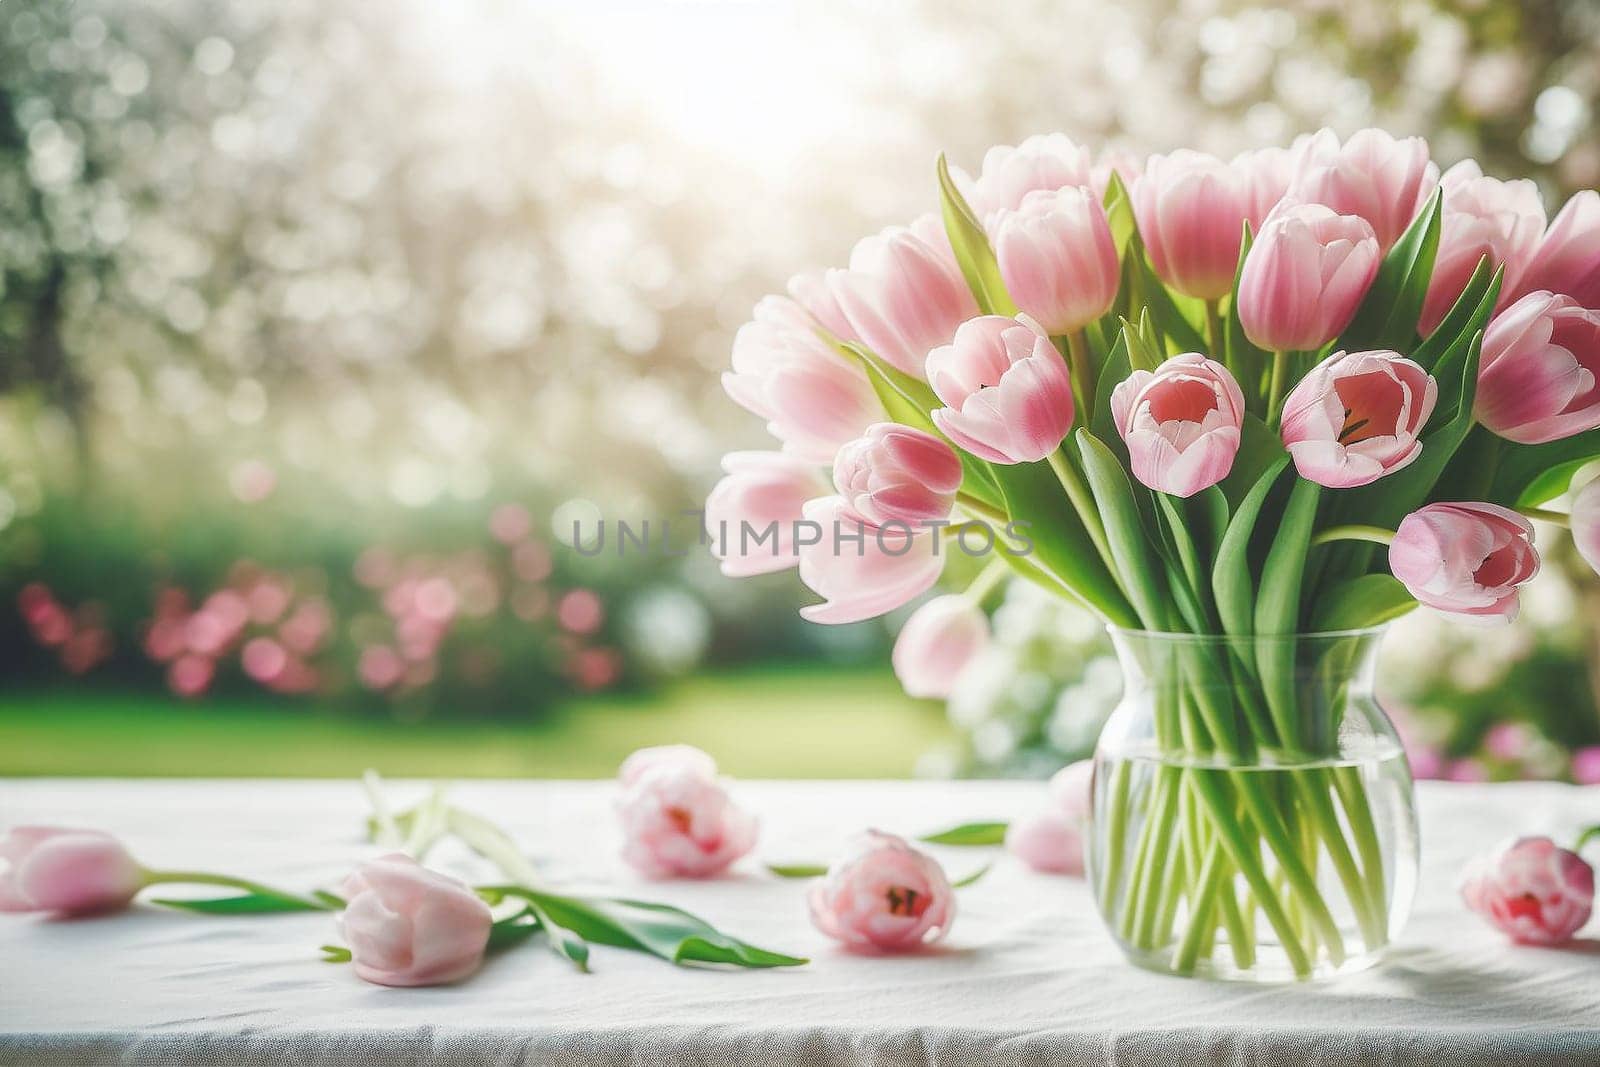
point(322, 322)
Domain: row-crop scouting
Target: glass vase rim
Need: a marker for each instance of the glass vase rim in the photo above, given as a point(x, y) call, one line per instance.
point(1183, 637)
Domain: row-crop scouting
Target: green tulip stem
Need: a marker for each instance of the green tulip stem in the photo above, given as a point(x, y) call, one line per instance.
point(987, 581)
point(245, 885)
point(1278, 385)
point(1590, 834)
point(1354, 532)
point(1084, 505)
point(1554, 518)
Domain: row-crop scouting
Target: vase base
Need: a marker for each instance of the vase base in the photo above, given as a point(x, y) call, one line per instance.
point(1271, 969)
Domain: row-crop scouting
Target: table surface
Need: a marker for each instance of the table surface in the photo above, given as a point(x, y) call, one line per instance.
point(1027, 975)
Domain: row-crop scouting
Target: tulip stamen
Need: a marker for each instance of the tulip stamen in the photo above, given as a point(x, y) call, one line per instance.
point(1348, 434)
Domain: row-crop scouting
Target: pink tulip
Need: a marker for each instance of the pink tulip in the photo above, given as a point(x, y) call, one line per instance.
point(861, 572)
point(1567, 260)
point(751, 514)
point(1465, 560)
point(1266, 173)
point(1586, 523)
point(1181, 423)
point(1539, 375)
point(1481, 217)
point(1305, 277)
point(903, 294)
point(1044, 162)
point(884, 895)
point(1586, 765)
point(1384, 180)
point(813, 293)
point(1532, 891)
point(409, 926)
point(1048, 840)
point(813, 398)
point(1191, 209)
point(897, 474)
point(1357, 416)
point(678, 820)
point(937, 643)
point(66, 871)
point(1125, 164)
point(644, 760)
point(1007, 391)
point(1071, 789)
point(1057, 258)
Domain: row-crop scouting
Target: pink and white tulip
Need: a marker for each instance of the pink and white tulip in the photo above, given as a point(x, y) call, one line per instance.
point(1481, 217)
point(1567, 260)
point(1119, 161)
point(1181, 423)
point(1305, 276)
point(896, 473)
point(1466, 560)
point(1007, 391)
point(1048, 840)
point(937, 643)
point(884, 895)
point(678, 820)
point(862, 572)
point(65, 871)
point(409, 926)
point(1532, 890)
point(904, 294)
point(751, 514)
point(1191, 209)
point(1267, 174)
point(1057, 258)
point(1356, 417)
point(1043, 162)
point(1586, 523)
point(1539, 375)
point(641, 761)
point(1383, 179)
point(813, 398)
point(812, 291)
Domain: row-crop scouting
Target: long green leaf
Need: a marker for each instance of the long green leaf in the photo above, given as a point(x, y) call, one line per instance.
point(1531, 475)
point(1259, 450)
point(971, 246)
point(1277, 612)
point(1231, 580)
point(659, 929)
point(246, 904)
point(971, 833)
point(797, 870)
point(1464, 318)
point(1361, 602)
point(1130, 549)
point(1387, 317)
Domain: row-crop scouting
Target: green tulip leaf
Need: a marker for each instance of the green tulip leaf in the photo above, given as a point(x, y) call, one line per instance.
point(1231, 580)
point(1361, 602)
point(797, 870)
point(971, 833)
point(1130, 549)
point(247, 904)
point(1387, 316)
point(971, 246)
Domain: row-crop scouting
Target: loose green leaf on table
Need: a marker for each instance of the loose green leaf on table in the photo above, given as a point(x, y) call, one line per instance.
point(248, 904)
point(972, 879)
point(335, 954)
point(971, 833)
point(797, 870)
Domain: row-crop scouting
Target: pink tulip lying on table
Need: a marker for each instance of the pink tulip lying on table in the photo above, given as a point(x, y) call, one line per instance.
point(1532, 890)
point(677, 818)
point(66, 871)
point(884, 895)
point(1052, 838)
point(409, 926)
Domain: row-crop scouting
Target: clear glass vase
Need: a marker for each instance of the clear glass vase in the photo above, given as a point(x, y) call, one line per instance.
point(1253, 814)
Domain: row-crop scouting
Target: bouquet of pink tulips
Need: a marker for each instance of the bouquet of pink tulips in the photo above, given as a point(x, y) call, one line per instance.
point(1194, 397)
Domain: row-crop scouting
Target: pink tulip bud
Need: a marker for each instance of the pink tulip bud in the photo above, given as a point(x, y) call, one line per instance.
point(1007, 391)
point(883, 895)
point(813, 398)
point(1191, 209)
point(1125, 164)
point(904, 293)
point(751, 514)
point(1531, 890)
point(1384, 180)
point(1481, 217)
point(1044, 162)
point(1586, 523)
point(1071, 789)
point(1466, 559)
point(66, 871)
point(1048, 840)
point(896, 473)
point(1057, 258)
point(644, 760)
point(678, 820)
point(1567, 260)
point(862, 572)
point(1266, 173)
point(409, 926)
point(937, 643)
point(1181, 423)
point(1357, 416)
point(1305, 277)
point(1539, 375)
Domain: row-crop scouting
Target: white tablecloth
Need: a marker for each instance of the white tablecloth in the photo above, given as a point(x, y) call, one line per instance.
point(1026, 977)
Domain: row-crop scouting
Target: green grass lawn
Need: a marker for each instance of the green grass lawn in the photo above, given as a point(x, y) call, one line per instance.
point(758, 723)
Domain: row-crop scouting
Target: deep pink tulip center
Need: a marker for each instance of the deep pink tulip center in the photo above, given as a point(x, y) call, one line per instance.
point(1498, 569)
point(1183, 400)
point(1372, 403)
point(681, 819)
point(906, 901)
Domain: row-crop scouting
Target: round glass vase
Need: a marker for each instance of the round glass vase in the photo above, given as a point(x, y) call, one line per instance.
point(1253, 815)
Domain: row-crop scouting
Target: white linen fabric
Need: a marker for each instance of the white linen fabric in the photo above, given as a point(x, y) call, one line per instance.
point(1026, 977)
